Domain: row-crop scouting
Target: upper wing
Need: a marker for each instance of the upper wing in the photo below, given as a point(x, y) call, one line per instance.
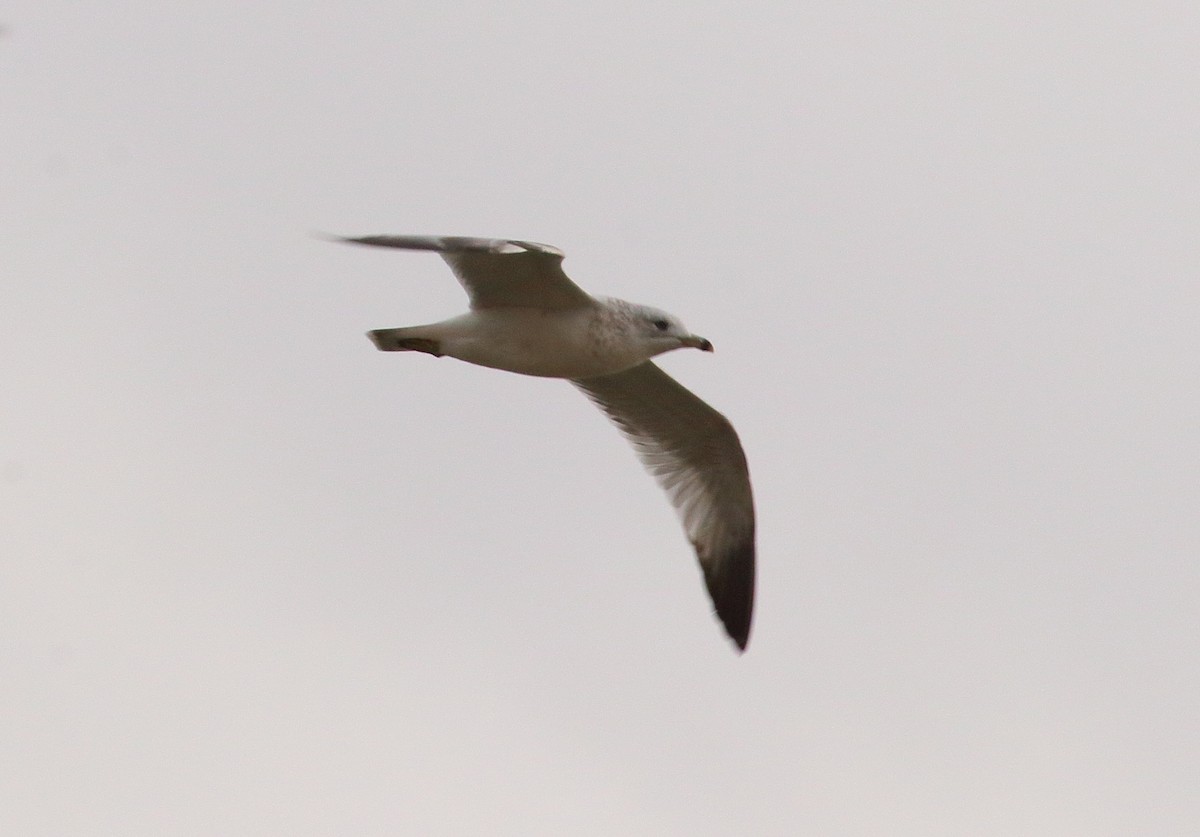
point(694, 453)
point(496, 272)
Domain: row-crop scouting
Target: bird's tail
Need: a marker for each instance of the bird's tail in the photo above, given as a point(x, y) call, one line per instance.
point(409, 339)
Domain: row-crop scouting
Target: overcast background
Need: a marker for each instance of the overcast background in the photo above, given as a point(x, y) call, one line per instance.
point(258, 578)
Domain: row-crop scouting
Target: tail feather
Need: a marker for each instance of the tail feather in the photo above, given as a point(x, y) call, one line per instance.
point(411, 339)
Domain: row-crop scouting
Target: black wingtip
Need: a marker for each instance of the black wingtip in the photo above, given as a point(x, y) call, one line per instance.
point(730, 582)
point(369, 240)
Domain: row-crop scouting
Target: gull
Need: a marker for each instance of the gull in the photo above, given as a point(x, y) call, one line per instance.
point(527, 317)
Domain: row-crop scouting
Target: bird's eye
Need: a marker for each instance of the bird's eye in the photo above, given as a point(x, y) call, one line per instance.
point(661, 325)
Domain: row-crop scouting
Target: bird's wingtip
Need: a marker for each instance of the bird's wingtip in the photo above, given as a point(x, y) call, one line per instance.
point(730, 585)
point(740, 638)
point(328, 236)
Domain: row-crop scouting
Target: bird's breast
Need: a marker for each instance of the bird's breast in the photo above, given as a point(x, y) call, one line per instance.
point(546, 344)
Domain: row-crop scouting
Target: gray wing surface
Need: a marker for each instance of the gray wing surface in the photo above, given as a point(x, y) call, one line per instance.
point(496, 272)
point(694, 454)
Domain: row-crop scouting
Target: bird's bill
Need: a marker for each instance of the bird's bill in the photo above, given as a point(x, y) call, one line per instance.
point(695, 341)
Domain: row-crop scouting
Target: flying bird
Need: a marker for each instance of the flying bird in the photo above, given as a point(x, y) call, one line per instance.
point(527, 317)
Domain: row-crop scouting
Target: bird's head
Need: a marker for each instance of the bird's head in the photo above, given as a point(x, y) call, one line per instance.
point(664, 332)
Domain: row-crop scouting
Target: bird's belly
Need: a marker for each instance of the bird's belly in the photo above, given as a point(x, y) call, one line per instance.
point(546, 344)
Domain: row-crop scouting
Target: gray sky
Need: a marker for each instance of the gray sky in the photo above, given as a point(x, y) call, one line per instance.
point(258, 578)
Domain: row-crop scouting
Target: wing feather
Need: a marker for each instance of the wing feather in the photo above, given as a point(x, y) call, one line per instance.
point(695, 455)
point(496, 272)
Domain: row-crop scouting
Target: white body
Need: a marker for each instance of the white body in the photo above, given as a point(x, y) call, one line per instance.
point(575, 343)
